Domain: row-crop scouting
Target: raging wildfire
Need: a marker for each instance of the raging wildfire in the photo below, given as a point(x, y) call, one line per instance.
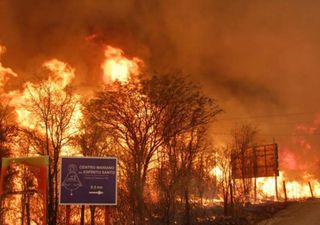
point(157, 125)
point(198, 142)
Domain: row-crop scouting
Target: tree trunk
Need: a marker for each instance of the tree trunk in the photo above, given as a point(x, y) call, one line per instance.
point(231, 197)
point(187, 207)
point(23, 204)
point(50, 207)
point(169, 208)
point(28, 209)
point(225, 204)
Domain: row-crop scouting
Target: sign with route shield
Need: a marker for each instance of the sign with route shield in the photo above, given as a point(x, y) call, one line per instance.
point(88, 181)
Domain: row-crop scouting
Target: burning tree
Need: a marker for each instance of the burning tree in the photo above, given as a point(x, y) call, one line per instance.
point(222, 172)
point(129, 117)
point(48, 113)
point(151, 115)
point(187, 115)
point(92, 140)
point(8, 132)
point(243, 137)
point(7, 127)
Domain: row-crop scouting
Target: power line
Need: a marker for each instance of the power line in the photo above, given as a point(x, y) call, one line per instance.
point(268, 116)
point(272, 135)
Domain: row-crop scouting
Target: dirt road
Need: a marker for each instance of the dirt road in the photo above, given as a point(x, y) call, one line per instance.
point(304, 213)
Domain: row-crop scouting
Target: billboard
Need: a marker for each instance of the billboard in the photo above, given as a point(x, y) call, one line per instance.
point(38, 167)
point(257, 161)
point(88, 181)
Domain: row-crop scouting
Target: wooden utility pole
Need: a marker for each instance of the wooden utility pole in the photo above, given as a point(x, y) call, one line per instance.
point(276, 169)
point(255, 174)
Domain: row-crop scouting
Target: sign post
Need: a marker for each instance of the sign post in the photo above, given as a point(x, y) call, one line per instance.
point(89, 181)
point(106, 215)
point(68, 214)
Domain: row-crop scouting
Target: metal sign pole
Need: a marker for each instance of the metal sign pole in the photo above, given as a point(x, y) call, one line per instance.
point(68, 215)
point(106, 216)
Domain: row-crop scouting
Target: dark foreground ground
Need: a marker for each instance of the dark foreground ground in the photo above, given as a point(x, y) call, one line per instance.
point(242, 215)
point(251, 214)
point(300, 213)
point(304, 212)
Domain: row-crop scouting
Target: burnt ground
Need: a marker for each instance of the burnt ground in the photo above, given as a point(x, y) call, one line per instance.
point(250, 214)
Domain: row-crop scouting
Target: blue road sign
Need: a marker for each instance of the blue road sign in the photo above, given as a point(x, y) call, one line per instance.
point(88, 181)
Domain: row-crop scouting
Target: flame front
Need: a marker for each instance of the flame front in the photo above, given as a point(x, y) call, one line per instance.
point(4, 71)
point(63, 73)
point(117, 67)
point(305, 188)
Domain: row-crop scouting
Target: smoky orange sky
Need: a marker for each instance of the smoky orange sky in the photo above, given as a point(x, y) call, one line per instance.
point(259, 59)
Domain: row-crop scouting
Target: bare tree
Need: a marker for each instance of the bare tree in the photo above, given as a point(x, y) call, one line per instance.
point(145, 116)
point(223, 176)
point(243, 137)
point(188, 114)
point(8, 132)
point(93, 141)
point(54, 111)
point(134, 123)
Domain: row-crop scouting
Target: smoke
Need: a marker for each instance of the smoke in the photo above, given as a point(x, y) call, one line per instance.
point(256, 58)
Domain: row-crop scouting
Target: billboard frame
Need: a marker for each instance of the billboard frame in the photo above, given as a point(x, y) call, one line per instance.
point(245, 164)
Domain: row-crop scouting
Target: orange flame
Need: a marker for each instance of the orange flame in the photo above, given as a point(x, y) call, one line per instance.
point(2, 49)
point(217, 172)
point(117, 67)
point(295, 189)
point(4, 71)
point(61, 74)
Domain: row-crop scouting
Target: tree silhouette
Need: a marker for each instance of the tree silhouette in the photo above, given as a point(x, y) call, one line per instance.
point(147, 115)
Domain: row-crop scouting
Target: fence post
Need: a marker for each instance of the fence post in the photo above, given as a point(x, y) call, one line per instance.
point(285, 191)
point(311, 192)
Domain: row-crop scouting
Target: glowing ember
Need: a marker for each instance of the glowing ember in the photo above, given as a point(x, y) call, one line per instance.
point(117, 67)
